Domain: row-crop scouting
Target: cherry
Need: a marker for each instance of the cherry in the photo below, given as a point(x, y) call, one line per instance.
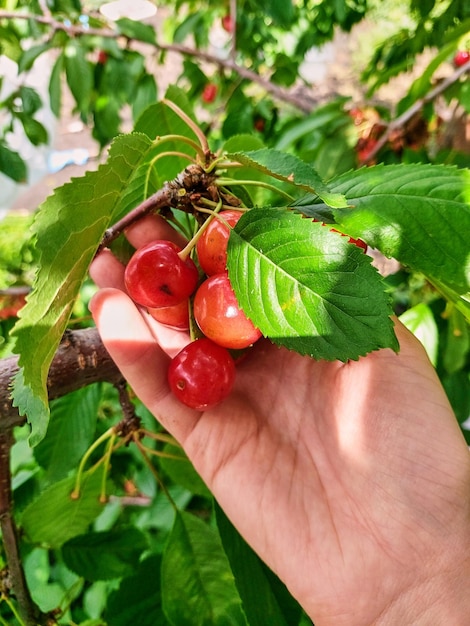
point(211, 248)
point(102, 57)
point(227, 23)
point(157, 277)
point(219, 317)
point(202, 374)
point(461, 57)
point(209, 93)
point(176, 316)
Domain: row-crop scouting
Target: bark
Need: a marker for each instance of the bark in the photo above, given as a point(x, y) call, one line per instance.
point(81, 359)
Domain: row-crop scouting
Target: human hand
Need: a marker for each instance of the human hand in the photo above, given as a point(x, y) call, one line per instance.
point(350, 480)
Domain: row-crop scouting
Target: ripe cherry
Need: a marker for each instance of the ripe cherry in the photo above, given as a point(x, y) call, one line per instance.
point(211, 248)
point(227, 23)
point(202, 374)
point(461, 57)
point(157, 277)
point(209, 93)
point(219, 317)
point(176, 316)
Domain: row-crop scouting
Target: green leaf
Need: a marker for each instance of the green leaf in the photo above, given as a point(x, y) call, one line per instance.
point(179, 468)
point(34, 130)
point(307, 288)
point(79, 75)
point(265, 598)
point(105, 555)
point(11, 164)
point(136, 30)
point(137, 599)
point(198, 588)
point(30, 99)
point(457, 346)
point(145, 95)
point(26, 61)
point(290, 169)
point(54, 517)
point(420, 321)
point(70, 433)
point(68, 228)
point(55, 85)
point(417, 214)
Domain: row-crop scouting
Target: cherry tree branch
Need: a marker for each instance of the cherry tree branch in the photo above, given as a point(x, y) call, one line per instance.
point(80, 360)
point(28, 611)
point(301, 101)
point(414, 109)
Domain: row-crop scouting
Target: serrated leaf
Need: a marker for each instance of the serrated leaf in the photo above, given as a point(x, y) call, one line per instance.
point(68, 228)
point(265, 598)
point(417, 214)
point(105, 555)
point(197, 583)
point(71, 431)
point(54, 517)
point(307, 288)
point(290, 169)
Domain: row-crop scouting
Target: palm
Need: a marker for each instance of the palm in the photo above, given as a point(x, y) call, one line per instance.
point(343, 477)
point(323, 454)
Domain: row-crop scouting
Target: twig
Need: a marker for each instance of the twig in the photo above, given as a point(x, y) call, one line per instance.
point(415, 108)
point(28, 611)
point(159, 200)
point(81, 360)
point(299, 101)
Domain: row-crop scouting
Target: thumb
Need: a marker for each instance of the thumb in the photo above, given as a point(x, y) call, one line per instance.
point(132, 346)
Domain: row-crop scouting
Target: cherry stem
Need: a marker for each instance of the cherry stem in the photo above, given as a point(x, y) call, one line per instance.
point(81, 468)
point(159, 200)
point(144, 452)
point(183, 139)
point(224, 182)
point(193, 126)
point(12, 608)
point(185, 252)
point(107, 461)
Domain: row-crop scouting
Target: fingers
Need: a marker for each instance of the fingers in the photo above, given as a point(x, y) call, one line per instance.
point(149, 229)
point(107, 271)
point(131, 344)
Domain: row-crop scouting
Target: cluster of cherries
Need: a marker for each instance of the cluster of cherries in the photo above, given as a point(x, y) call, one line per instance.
point(165, 280)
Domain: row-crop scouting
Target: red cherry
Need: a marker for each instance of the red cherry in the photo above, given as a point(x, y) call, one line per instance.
point(461, 57)
point(209, 93)
point(10, 304)
point(227, 23)
point(219, 317)
point(102, 57)
point(211, 247)
point(202, 374)
point(157, 277)
point(176, 316)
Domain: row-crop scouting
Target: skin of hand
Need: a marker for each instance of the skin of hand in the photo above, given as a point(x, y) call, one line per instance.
point(350, 480)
